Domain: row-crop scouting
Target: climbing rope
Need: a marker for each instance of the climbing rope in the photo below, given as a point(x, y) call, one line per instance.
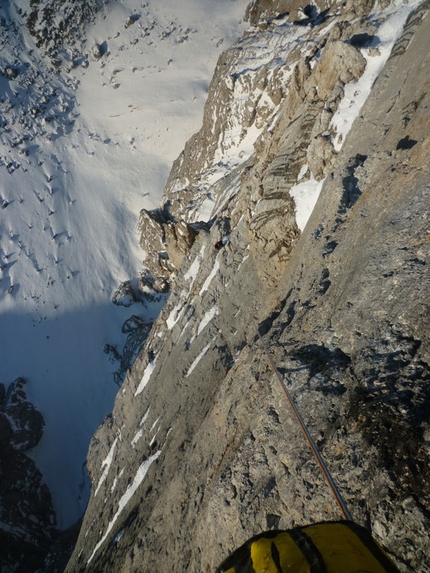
point(317, 454)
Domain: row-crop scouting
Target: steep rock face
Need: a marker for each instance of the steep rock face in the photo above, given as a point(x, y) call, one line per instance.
point(280, 101)
point(250, 89)
point(28, 524)
point(201, 451)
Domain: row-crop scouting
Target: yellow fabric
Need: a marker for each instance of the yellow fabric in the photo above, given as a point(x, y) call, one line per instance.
point(342, 550)
point(331, 547)
point(290, 556)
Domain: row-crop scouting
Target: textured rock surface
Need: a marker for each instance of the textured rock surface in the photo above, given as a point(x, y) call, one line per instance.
point(201, 451)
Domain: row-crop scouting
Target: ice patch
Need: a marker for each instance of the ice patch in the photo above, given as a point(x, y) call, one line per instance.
point(145, 416)
point(136, 438)
point(207, 318)
point(197, 360)
point(139, 434)
point(154, 424)
point(107, 463)
point(194, 268)
point(210, 277)
point(303, 171)
point(115, 481)
point(174, 316)
point(305, 196)
point(126, 497)
point(204, 212)
point(146, 376)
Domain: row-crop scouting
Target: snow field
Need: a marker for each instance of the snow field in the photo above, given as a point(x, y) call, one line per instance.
point(393, 21)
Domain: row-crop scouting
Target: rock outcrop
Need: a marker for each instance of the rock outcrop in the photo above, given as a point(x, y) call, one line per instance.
point(165, 241)
point(27, 523)
point(201, 451)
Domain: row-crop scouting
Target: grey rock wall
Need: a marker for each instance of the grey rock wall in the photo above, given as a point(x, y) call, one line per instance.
point(201, 450)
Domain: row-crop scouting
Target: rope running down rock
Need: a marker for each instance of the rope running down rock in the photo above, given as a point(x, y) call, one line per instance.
point(317, 454)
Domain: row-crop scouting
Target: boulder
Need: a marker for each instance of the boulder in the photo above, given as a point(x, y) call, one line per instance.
point(131, 20)
point(340, 62)
point(97, 51)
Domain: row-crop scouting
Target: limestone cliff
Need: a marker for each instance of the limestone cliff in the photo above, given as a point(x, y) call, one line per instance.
point(201, 451)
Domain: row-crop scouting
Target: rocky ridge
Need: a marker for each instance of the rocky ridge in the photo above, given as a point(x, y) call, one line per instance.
point(277, 104)
point(200, 451)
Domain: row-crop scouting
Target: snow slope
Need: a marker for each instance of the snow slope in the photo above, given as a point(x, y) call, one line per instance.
point(81, 152)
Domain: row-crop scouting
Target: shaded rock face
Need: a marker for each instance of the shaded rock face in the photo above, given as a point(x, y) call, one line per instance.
point(124, 295)
point(137, 331)
point(135, 327)
point(201, 451)
point(25, 422)
point(28, 524)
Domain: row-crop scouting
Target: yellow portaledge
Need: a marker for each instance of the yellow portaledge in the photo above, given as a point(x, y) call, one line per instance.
point(331, 547)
